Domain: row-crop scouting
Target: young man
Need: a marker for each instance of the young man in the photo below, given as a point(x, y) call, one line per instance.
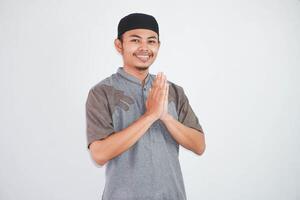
point(136, 121)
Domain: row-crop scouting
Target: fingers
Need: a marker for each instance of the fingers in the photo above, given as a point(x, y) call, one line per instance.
point(158, 93)
point(166, 92)
point(160, 89)
point(157, 79)
point(156, 86)
point(162, 81)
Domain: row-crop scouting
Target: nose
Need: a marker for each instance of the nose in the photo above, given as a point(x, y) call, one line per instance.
point(143, 45)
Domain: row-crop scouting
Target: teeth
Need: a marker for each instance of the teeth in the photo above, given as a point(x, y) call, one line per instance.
point(143, 58)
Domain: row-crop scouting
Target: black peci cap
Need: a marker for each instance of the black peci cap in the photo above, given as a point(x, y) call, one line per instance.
point(136, 21)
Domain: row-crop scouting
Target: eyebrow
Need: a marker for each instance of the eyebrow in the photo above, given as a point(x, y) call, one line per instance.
point(141, 37)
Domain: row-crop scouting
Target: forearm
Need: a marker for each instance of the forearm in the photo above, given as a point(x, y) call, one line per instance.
point(188, 137)
point(121, 141)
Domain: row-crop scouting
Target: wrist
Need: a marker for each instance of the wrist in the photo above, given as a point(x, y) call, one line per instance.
point(151, 117)
point(167, 118)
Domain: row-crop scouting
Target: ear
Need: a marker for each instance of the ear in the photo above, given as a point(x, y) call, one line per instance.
point(118, 45)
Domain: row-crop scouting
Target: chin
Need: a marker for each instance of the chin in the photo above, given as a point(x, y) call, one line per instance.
point(142, 68)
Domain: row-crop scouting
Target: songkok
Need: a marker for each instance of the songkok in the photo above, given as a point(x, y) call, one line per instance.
point(136, 21)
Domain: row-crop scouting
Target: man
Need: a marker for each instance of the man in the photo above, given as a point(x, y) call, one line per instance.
point(136, 121)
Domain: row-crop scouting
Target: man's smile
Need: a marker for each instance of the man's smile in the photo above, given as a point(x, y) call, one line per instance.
point(143, 57)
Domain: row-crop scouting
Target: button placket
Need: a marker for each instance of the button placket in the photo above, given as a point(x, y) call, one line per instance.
point(144, 90)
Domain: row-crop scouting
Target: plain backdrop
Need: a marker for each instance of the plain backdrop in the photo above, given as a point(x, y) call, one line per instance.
point(238, 62)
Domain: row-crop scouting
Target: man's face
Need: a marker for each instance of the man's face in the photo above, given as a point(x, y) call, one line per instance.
point(139, 48)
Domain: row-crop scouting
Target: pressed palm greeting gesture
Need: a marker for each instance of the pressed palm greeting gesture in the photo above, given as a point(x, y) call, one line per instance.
point(157, 101)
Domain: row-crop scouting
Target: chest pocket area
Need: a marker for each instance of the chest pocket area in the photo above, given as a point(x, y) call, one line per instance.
point(123, 109)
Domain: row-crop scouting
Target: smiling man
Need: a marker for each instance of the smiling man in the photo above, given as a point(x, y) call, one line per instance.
point(136, 121)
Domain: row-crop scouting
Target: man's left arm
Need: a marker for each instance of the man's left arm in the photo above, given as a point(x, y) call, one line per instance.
point(189, 138)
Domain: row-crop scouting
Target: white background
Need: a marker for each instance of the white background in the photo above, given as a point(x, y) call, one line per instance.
point(238, 62)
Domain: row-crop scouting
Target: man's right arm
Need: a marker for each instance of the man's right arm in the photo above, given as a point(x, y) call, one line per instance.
point(115, 144)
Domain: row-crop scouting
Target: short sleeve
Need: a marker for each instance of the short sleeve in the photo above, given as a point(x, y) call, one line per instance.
point(186, 114)
point(99, 123)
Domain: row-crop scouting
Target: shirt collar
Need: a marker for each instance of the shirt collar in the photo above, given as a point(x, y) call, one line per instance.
point(132, 78)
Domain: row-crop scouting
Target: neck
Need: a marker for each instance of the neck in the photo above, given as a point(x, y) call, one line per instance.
point(138, 73)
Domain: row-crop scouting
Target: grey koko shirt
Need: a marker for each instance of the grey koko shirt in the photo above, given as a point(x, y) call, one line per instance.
point(150, 169)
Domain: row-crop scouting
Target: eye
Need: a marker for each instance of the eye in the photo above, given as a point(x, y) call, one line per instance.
point(134, 40)
point(152, 41)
